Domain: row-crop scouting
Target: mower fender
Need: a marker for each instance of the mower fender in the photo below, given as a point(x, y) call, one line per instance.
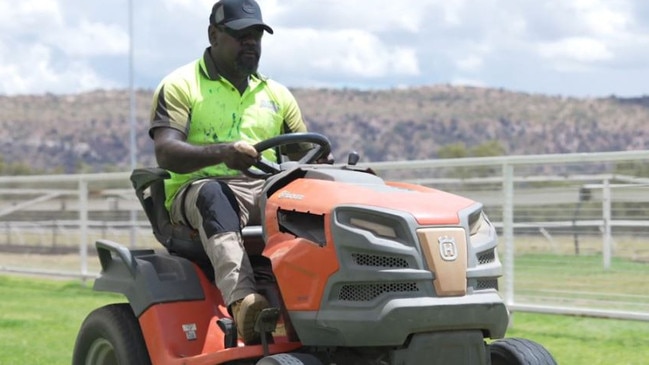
point(146, 277)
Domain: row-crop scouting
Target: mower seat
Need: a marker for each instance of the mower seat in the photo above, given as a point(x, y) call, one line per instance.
point(179, 239)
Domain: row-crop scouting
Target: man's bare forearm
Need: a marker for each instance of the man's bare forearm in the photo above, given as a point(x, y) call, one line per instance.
point(181, 157)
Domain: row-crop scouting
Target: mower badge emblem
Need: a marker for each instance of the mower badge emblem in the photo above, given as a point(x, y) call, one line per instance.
point(447, 248)
point(190, 331)
point(288, 195)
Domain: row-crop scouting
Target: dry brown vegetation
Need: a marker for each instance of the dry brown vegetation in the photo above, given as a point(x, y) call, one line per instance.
point(90, 131)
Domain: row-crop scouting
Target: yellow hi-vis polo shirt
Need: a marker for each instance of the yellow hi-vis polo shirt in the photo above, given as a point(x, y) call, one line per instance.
point(207, 108)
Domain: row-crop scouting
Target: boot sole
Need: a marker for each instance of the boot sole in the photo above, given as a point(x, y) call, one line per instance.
point(249, 310)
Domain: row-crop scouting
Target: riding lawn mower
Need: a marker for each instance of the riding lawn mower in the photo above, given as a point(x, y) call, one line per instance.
point(358, 270)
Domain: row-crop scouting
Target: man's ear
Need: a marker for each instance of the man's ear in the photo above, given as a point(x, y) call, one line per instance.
point(211, 34)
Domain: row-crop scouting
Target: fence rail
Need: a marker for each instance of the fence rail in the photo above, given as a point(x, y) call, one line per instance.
point(574, 229)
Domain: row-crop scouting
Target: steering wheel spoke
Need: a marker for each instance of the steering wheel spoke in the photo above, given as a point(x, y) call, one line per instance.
point(265, 168)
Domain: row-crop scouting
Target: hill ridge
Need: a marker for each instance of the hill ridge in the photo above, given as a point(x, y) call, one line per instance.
point(89, 131)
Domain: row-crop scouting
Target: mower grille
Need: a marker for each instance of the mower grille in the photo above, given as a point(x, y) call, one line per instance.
point(379, 261)
point(486, 257)
point(487, 284)
point(367, 292)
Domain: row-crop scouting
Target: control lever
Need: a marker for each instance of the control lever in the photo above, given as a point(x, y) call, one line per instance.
point(353, 158)
point(265, 325)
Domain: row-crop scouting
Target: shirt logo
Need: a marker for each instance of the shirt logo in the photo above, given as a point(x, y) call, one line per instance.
point(269, 104)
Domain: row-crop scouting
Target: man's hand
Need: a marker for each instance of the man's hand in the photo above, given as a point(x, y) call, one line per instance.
point(329, 159)
point(240, 155)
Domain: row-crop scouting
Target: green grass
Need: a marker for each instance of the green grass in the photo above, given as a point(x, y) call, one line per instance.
point(582, 281)
point(39, 319)
point(588, 341)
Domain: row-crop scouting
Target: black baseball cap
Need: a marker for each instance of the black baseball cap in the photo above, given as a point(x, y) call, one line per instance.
point(238, 14)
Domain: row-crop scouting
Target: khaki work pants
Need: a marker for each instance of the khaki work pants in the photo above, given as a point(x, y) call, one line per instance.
point(233, 273)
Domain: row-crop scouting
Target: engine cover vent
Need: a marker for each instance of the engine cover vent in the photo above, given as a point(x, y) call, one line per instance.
point(379, 261)
point(367, 292)
point(486, 257)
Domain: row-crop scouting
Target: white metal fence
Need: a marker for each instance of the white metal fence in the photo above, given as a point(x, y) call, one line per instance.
point(574, 229)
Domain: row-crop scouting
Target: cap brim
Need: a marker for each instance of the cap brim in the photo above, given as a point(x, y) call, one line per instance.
point(240, 24)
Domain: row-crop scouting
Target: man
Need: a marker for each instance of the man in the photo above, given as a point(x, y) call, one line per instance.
point(205, 118)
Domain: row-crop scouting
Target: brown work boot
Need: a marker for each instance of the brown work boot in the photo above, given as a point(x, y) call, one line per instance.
point(245, 312)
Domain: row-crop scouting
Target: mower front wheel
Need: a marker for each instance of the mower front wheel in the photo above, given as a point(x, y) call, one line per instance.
point(110, 335)
point(519, 351)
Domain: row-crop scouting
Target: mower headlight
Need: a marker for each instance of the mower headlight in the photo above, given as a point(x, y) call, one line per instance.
point(377, 229)
point(480, 229)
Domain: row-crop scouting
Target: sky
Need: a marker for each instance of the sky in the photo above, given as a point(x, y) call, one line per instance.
point(574, 48)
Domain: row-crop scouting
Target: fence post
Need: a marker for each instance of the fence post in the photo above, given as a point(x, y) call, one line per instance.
point(606, 216)
point(83, 227)
point(8, 225)
point(508, 231)
point(55, 225)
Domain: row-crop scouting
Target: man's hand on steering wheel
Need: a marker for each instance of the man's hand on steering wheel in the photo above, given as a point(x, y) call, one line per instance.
point(321, 151)
point(240, 155)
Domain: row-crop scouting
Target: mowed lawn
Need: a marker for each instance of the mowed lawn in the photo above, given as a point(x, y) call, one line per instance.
point(39, 319)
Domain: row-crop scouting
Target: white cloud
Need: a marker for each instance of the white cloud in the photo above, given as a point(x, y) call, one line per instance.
point(608, 18)
point(90, 39)
point(359, 53)
point(37, 75)
point(603, 35)
point(45, 52)
point(554, 46)
point(29, 15)
point(368, 15)
point(580, 50)
point(470, 63)
point(453, 12)
point(347, 53)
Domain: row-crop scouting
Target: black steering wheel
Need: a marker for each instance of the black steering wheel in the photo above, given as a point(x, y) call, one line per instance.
point(321, 148)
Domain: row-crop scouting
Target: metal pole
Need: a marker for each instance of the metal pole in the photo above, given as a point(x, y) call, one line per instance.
point(508, 231)
point(132, 119)
point(606, 215)
point(83, 223)
point(131, 82)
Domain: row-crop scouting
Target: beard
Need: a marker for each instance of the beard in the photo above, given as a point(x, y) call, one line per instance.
point(248, 61)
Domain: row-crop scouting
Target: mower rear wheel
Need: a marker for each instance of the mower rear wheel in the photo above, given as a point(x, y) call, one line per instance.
point(110, 335)
point(290, 359)
point(519, 351)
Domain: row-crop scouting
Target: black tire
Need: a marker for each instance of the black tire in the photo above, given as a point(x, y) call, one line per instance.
point(519, 351)
point(290, 359)
point(110, 335)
